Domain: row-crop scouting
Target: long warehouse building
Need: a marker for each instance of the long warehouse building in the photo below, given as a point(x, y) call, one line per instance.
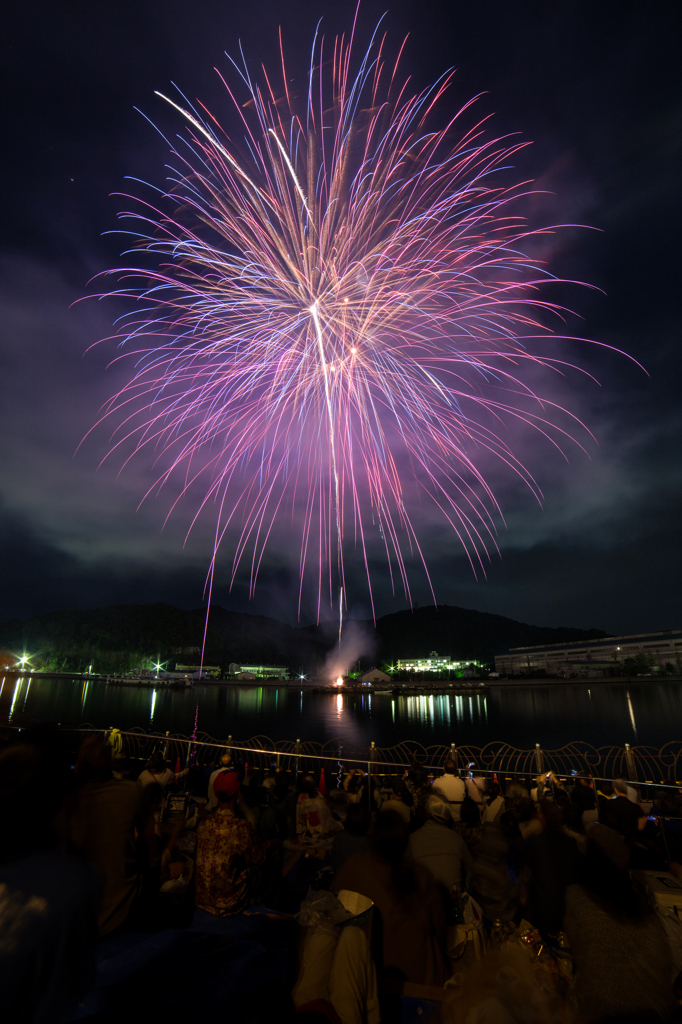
point(644, 653)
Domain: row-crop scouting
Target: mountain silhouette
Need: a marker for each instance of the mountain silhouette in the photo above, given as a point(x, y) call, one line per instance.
point(120, 637)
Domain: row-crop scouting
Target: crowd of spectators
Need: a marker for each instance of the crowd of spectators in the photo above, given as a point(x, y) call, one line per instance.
point(98, 849)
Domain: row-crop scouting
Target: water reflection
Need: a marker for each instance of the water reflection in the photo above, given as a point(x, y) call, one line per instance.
point(552, 715)
point(14, 698)
point(632, 715)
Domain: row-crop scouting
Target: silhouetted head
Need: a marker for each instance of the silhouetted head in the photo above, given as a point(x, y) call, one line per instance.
point(357, 820)
point(94, 761)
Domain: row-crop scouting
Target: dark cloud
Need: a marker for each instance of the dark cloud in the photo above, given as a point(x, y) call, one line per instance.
point(595, 86)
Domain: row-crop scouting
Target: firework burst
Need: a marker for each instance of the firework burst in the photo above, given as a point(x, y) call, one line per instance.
point(340, 314)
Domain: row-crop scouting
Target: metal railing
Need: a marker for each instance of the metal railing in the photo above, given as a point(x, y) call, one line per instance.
point(642, 765)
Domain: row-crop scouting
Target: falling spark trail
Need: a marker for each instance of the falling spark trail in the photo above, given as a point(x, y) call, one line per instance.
point(338, 318)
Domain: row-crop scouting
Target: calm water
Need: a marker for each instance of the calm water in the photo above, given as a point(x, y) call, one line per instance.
point(642, 713)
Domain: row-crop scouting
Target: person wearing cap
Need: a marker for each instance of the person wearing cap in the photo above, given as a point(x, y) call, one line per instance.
point(438, 847)
point(228, 856)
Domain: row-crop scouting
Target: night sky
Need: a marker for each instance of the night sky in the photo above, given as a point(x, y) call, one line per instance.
point(596, 86)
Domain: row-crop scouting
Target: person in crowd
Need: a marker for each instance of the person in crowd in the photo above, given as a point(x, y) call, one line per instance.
point(510, 829)
point(48, 900)
point(605, 790)
point(549, 787)
point(469, 820)
point(551, 859)
point(412, 919)
point(621, 953)
point(418, 790)
point(356, 788)
point(158, 771)
point(352, 838)
point(491, 884)
point(438, 847)
point(476, 785)
point(381, 791)
point(351, 780)
point(397, 802)
point(228, 856)
point(527, 817)
point(451, 788)
point(583, 793)
point(622, 814)
point(668, 808)
point(314, 821)
point(631, 792)
point(574, 826)
point(253, 805)
point(283, 801)
point(108, 822)
point(121, 766)
point(516, 792)
point(493, 805)
point(225, 764)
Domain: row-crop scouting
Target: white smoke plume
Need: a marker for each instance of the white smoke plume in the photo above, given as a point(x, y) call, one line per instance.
point(357, 640)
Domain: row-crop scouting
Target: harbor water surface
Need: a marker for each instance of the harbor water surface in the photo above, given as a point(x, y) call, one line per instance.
point(552, 714)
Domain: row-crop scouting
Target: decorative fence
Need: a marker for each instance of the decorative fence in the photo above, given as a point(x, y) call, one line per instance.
point(643, 765)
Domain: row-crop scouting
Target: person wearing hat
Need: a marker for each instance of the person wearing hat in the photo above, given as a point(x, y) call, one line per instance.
point(228, 855)
point(438, 847)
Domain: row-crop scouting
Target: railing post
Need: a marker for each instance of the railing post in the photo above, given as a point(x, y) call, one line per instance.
point(298, 755)
point(277, 761)
point(166, 745)
point(372, 755)
point(630, 762)
point(538, 759)
point(453, 754)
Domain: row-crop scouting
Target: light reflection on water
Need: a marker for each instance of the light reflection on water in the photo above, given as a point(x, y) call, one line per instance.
point(646, 713)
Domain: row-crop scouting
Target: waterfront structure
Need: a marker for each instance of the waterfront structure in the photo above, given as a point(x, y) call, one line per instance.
point(435, 663)
point(206, 671)
point(636, 654)
point(375, 675)
point(259, 671)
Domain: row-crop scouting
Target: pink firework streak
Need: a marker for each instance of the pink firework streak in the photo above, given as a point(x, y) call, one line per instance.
point(339, 291)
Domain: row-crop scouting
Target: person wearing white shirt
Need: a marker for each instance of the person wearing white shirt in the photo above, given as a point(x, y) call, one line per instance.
point(451, 789)
point(476, 786)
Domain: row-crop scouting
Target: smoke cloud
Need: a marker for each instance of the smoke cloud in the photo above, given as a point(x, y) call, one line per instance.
point(357, 641)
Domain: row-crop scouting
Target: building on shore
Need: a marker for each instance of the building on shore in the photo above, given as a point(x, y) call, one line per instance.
point(637, 654)
point(375, 675)
point(436, 664)
point(276, 672)
point(203, 671)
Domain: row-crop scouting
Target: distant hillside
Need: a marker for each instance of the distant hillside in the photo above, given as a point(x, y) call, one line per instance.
point(120, 637)
point(463, 633)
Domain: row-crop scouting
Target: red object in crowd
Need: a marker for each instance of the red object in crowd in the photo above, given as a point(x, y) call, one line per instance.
point(323, 785)
point(178, 766)
point(495, 778)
